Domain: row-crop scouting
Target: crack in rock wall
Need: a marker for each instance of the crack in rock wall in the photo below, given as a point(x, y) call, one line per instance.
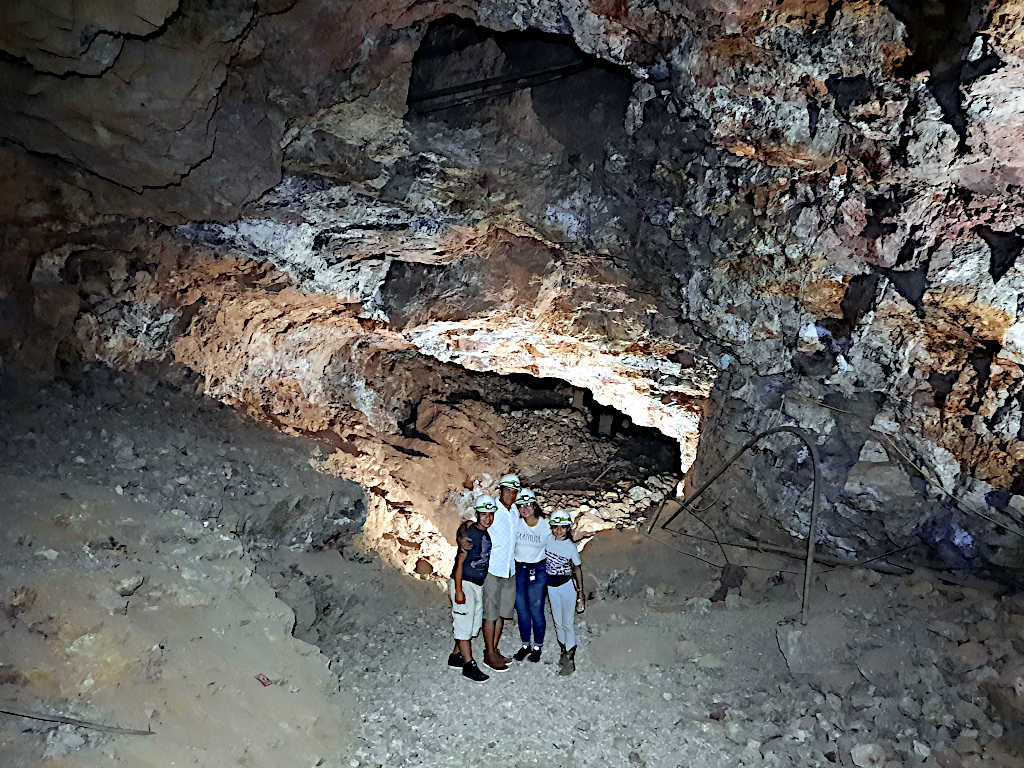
point(799, 212)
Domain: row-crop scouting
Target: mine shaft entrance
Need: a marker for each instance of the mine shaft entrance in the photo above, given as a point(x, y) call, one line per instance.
point(588, 458)
point(638, 450)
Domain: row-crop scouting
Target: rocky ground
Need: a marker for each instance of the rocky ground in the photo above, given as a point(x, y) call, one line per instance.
point(890, 671)
point(150, 442)
point(124, 614)
point(127, 598)
point(916, 670)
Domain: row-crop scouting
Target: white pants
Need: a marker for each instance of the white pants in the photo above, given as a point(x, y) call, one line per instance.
point(563, 612)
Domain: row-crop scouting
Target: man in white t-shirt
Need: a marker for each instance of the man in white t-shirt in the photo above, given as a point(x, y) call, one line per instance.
point(499, 593)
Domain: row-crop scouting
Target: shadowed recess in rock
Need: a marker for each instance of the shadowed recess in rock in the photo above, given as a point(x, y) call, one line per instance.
point(458, 65)
point(940, 34)
point(1006, 248)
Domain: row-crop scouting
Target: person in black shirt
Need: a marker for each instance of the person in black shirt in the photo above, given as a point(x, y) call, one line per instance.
point(465, 587)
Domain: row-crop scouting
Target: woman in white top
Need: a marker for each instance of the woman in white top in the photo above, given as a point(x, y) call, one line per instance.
point(565, 587)
point(532, 534)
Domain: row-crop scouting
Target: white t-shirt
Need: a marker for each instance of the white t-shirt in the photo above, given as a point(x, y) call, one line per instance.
point(531, 540)
point(502, 533)
point(562, 555)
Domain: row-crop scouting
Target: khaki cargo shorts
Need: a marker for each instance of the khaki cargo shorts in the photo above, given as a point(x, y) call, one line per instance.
point(499, 597)
point(466, 618)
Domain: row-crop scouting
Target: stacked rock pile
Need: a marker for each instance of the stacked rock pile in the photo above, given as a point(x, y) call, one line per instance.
point(621, 506)
point(948, 691)
point(543, 434)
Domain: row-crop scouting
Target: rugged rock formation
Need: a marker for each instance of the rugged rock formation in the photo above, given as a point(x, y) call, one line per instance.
point(715, 216)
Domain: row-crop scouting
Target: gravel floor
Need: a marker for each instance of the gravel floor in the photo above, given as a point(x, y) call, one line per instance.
point(664, 677)
point(891, 671)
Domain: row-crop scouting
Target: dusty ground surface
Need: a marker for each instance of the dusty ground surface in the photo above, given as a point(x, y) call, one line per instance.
point(111, 481)
point(149, 441)
point(891, 671)
point(120, 613)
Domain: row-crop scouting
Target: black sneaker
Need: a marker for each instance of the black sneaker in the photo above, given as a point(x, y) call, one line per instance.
point(535, 655)
point(522, 653)
point(455, 659)
point(472, 671)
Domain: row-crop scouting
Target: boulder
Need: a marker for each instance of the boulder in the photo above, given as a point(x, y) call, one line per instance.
point(881, 666)
point(968, 656)
point(868, 755)
point(810, 650)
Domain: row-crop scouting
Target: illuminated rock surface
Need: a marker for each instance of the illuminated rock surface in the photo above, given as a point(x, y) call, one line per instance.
point(716, 217)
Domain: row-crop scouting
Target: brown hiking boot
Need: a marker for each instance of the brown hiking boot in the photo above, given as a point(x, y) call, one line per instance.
point(495, 662)
point(567, 664)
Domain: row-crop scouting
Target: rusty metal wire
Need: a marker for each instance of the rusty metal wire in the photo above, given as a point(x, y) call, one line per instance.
point(812, 527)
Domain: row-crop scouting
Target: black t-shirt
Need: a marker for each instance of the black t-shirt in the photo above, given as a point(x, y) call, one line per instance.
point(474, 569)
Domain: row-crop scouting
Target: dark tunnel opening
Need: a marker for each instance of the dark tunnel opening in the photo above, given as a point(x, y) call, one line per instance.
point(638, 449)
point(460, 68)
point(939, 34)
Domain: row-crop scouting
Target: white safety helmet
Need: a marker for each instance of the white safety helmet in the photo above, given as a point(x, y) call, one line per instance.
point(526, 496)
point(510, 481)
point(485, 504)
point(560, 517)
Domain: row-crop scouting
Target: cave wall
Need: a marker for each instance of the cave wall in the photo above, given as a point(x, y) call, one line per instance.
point(746, 213)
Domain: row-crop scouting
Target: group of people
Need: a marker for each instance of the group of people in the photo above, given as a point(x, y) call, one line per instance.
point(513, 555)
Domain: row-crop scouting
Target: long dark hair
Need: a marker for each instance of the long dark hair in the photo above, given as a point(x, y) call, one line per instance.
point(536, 506)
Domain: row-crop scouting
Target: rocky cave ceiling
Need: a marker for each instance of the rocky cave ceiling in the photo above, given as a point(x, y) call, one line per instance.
point(715, 215)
